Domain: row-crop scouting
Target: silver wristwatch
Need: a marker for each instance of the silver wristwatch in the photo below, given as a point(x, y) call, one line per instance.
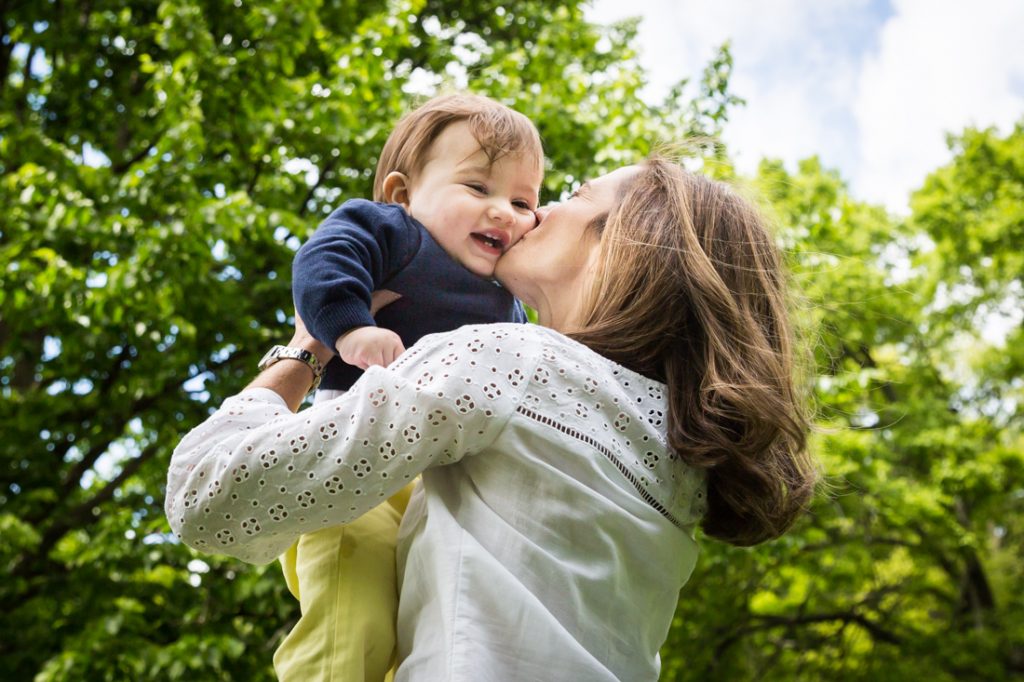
point(288, 353)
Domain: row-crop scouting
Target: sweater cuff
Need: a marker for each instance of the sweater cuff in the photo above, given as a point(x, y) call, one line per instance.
point(334, 320)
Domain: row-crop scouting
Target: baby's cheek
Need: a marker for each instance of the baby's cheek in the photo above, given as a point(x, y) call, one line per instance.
point(525, 225)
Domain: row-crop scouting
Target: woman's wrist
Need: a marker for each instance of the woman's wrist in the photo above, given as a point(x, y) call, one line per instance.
point(292, 378)
point(304, 340)
point(289, 378)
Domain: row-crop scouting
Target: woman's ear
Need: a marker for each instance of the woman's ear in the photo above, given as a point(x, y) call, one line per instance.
point(396, 189)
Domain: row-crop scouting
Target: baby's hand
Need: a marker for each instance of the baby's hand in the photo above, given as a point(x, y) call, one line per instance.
point(366, 346)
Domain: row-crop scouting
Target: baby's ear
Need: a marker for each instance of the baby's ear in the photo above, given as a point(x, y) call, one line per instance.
point(396, 189)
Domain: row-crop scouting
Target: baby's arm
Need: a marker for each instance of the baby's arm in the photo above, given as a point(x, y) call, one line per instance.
point(372, 345)
point(351, 254)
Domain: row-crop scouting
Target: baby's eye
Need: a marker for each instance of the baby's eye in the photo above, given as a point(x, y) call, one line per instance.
point(476, 187)
point(520, 203)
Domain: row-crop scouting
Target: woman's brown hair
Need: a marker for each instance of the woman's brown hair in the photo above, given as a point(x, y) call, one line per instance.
point(690, 290)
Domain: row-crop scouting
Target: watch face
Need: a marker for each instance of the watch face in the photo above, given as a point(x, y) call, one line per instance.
point(268, 359)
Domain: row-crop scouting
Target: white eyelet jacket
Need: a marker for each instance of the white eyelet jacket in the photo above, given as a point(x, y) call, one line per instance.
point(552, 531)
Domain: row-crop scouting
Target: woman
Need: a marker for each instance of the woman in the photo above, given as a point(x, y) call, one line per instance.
point(564, 465)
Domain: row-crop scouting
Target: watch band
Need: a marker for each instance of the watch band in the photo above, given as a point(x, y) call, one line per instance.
point(278, 353)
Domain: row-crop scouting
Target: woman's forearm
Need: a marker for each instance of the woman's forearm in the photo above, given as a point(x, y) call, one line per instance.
point(254, 476)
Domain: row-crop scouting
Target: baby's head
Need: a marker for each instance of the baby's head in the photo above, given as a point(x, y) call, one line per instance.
point(470, 170)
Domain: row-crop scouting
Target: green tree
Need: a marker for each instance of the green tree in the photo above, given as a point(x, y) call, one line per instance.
point(159, 164)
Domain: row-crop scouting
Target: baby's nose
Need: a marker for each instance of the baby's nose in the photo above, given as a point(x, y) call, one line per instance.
point(501, 214)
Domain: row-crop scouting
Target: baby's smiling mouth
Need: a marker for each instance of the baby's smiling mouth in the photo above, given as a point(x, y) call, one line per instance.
point(491, 240)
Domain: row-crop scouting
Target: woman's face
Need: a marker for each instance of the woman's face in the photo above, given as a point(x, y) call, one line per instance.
point(549, 267)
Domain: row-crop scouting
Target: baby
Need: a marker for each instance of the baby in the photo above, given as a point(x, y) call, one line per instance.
point(458, 181)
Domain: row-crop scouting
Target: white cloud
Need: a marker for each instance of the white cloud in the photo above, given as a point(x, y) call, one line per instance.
point(783, 124)
point(871, 86)
point(678, 37)
point(940, 66)
point(795, 63)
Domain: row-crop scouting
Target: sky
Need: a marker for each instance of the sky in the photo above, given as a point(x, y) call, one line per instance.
point(870, 86)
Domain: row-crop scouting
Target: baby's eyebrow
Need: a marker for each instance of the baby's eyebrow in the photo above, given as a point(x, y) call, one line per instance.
point(475, 169)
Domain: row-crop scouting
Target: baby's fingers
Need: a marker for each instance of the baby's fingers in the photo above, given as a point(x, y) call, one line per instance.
point(375, 355)
point(394, 351)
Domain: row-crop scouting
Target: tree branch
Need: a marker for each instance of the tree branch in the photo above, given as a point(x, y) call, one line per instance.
point(76, 416)
point(834, 542)
point(5, 53)
point(251, 185)
point(24, 375)
point(125, 164)
point(74, 476)
point(81, 516)
point(26, 77)
point(85, 15)
point(328, 167)
point(846, 617)
point(976, 597)
point(862, 356)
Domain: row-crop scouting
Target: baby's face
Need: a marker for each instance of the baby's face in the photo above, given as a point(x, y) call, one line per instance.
point(474, 209)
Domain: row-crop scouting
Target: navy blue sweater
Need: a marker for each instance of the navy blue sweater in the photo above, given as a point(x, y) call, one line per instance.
point(365, 246)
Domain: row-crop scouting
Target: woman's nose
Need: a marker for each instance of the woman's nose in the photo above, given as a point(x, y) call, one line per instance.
point(542, 212)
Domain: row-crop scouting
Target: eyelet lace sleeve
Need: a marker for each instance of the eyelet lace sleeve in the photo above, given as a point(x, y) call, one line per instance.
point(254, 476)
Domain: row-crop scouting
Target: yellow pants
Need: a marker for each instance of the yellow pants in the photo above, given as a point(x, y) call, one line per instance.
point(344, 578)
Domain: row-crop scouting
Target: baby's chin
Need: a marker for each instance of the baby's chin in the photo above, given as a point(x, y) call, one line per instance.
point(479, 269)
point(484, 273)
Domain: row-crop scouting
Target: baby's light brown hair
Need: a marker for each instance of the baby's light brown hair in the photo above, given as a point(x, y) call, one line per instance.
point(498, 129)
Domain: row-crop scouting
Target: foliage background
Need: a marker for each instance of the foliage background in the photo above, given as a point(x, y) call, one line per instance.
point(161, 160)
